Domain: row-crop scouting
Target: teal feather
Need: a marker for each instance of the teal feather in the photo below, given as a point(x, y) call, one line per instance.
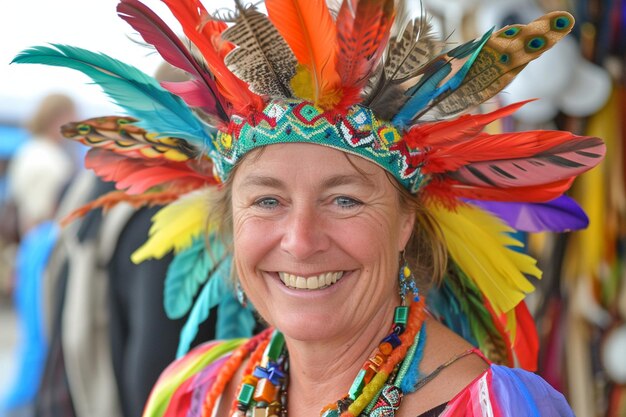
point(139, 94)
point(212, 294)
point(187, 272)
point(413, 375)
point(444, 303)
point(234, 320)
point(440, 76)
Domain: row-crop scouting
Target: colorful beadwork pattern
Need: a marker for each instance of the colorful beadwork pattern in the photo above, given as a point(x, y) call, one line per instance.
point(358, 132)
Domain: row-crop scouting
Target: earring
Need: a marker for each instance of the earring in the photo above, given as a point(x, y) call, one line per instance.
point(406, 280)
point(241, 296)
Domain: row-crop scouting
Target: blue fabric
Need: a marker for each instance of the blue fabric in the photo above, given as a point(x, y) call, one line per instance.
point(32, 257)
point(522, 393)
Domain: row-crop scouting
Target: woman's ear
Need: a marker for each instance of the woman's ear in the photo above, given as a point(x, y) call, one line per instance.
point(406, 228)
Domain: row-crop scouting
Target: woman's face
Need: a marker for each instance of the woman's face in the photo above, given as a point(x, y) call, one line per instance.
point(317, 242)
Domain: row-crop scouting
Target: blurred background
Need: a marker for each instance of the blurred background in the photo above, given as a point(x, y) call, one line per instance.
point(580, 304)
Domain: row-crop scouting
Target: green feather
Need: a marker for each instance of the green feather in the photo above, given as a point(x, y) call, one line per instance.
point(138, 93)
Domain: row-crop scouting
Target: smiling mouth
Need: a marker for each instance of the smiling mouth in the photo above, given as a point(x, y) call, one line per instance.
point(314, 282)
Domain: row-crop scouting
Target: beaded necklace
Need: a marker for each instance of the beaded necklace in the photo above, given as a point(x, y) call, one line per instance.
point(377, 390)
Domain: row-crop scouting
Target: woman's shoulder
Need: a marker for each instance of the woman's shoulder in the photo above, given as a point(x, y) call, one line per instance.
point(504, 391)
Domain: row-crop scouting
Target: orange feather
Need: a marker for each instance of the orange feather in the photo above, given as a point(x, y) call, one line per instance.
point(205, 33)
point(309, 29)
point(113, 198)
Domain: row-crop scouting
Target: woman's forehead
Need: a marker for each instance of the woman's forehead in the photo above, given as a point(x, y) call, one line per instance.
point(303, 160)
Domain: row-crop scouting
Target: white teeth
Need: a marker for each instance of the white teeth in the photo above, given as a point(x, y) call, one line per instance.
point(310, 283)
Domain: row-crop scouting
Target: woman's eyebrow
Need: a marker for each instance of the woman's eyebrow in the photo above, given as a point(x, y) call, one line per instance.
point(262, 181)
point(339, 180)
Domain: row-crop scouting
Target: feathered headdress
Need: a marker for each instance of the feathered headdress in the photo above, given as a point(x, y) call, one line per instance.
point(366, 79)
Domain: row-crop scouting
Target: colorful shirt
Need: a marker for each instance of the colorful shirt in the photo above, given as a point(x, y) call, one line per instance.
point(499, 391)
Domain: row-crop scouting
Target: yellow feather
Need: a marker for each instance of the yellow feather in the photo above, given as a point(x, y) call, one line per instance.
point(174, 226)
point(477, 241)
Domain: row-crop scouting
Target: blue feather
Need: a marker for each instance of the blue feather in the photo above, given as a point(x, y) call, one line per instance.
point(413, 374)
point(211, 295)
point(234, 320)
point(138, 93)
point(433, 82)
point(187, 272)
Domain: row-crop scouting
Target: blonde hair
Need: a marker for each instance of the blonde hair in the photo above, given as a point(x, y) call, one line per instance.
point(54, 108)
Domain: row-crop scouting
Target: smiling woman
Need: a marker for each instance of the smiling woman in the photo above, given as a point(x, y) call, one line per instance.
point(318, 160)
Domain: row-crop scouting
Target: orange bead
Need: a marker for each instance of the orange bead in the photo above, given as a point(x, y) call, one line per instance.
point(377, 359)
point(265, 391)
point(250, 379)
point(385, 348)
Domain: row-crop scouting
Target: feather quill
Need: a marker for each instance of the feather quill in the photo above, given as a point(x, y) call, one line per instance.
point(309, 29)
point(139, 94)
point(263, 58)
point(204, 33)
point(478, 242)
point(174, 227)
point(154, 31)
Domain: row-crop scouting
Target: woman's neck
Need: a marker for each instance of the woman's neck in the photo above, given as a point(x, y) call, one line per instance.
point(322, 371)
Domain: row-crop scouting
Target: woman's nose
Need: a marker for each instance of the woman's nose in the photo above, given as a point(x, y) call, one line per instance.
point(304, 233)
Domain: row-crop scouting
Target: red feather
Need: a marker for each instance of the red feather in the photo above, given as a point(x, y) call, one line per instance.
point(516, 147)
point(136, 176)
point(154, 31)
point(526, 343)
point(447, 191)
point(510, 167)
point(447, 133)
point(362, 32)
point(204, 32)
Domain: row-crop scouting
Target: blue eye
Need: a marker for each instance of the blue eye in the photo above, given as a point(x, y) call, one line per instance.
point(346, 202)
point(266, 203)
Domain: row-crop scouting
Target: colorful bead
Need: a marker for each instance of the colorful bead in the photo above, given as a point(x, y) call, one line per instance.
point(265, 391)
point(388, 402)
point(357, 385)
point(385, 348)
point(401, 315)
point(245, 394)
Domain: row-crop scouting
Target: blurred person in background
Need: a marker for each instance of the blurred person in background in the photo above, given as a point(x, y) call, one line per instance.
point(42, 168)
point(37, 176)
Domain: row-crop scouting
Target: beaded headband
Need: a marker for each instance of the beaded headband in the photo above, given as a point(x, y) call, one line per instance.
point(358, 132)
point(368, 79)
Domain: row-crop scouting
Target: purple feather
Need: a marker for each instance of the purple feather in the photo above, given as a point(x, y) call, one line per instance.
point(559, 215)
